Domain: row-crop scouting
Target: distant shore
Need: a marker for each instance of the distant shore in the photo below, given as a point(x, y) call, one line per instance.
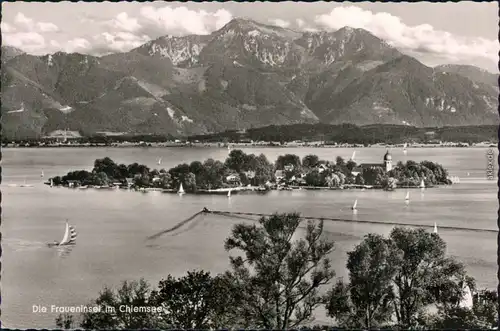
point(245, 145)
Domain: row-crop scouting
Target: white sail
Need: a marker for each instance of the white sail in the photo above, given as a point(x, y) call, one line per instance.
point(229, 193)
point(435, 228)
point(41, 175)
point(466, 301)
point(181, 189)
point(407, 198)
point(66, 235)
point(159, 161)
point(468, 174)
point(422, 184)
point(404, 148)
point(353, 155)
point(51, 182)
point(354, 205)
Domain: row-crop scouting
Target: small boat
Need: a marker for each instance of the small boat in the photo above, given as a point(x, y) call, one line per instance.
point(159, 161)
point(229, 193)
point(404, 148)
point(468, 174)
point(407, 198)
point(354, 205)
point(69, 237)
point(435, 228)
point(51, 182)
point(84, 187)
point(181, 190)
point(41, 174)
point(422, 184)
point(353, 155)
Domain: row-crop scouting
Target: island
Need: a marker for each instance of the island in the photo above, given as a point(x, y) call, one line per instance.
point(250, 172)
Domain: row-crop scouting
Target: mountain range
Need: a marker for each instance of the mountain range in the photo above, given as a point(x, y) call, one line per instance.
point(244, 75)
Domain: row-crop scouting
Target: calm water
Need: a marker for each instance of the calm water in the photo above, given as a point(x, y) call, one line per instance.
point(113, 225)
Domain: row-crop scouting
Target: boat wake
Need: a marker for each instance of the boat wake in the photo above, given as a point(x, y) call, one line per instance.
point(23, 245)
point(175, 227)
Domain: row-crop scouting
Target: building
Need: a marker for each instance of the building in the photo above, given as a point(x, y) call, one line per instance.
point(386, 165)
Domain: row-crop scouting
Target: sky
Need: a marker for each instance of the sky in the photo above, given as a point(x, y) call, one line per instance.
point(463, 32)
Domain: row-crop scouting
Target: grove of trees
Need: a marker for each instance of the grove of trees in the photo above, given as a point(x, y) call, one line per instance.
point(282, 272)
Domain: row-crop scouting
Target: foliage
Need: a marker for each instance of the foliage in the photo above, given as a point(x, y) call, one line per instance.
point(195, 301)
point(365, 302)
point(310, 161)
point(112, 315)
point(287, 159)
point(424, 275)
point(278, 279)
point(65, 321)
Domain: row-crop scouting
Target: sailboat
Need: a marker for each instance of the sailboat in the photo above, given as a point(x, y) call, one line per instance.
point(181, 190)
point(422, 184)
point(41, 175)
point(228, 148)
point(407, 198)
point(69, 237)
point(353, 155)
point(404, 148)
point(354, 205)
point(467, 301)
point(435, 228)
point(51, 182)
point(229, 193)
point(159, 161)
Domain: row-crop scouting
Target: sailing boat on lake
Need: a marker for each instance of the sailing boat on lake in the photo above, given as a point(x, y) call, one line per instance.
point(435, 228)
point(69, 237)
point(354, 205)
point(41, 175)
point(181, 190)
point(422, 184)
point(229, 193)
point(353, 155)
point(404, 148)
point(159, 161)
point(407, 198)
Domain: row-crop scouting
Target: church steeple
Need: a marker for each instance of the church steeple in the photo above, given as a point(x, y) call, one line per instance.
point(388, 161)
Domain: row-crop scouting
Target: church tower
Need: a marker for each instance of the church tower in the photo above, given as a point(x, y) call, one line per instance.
point(388, 161)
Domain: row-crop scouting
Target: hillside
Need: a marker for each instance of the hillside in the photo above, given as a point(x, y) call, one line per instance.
point(264, 75)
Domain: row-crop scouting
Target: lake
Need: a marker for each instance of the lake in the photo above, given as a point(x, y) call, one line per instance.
point(112, 226)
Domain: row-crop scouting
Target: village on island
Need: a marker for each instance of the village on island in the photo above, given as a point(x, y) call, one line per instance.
point(250, 172)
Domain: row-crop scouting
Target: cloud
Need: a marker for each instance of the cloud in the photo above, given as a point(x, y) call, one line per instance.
point(413, 39)
point(77, 45)
point(7, 28)
point(279, 22)
point(181, 20)
point(125, 23)
point(22, 20)
point(106, 42)
point(47, 27)
point(31, 42)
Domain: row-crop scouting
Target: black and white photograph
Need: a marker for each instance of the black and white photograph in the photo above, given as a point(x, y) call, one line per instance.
point(264, 165)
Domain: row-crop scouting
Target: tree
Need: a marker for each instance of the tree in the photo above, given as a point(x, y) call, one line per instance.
point(360, 180)
point(424, 275)
point(287, 159)
point(373, 175)
point(214, 172)
point(310, 161)
point(112, 314)
point(190, 182)
point(350, 165)
point(366, 302)
point(278, 280)
point(236, 160)
point(314, 178)
point(165, 180)
point(108, 166)
point(339, 161)
point(263, 170)
point(65, 321)
point(195, 301)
